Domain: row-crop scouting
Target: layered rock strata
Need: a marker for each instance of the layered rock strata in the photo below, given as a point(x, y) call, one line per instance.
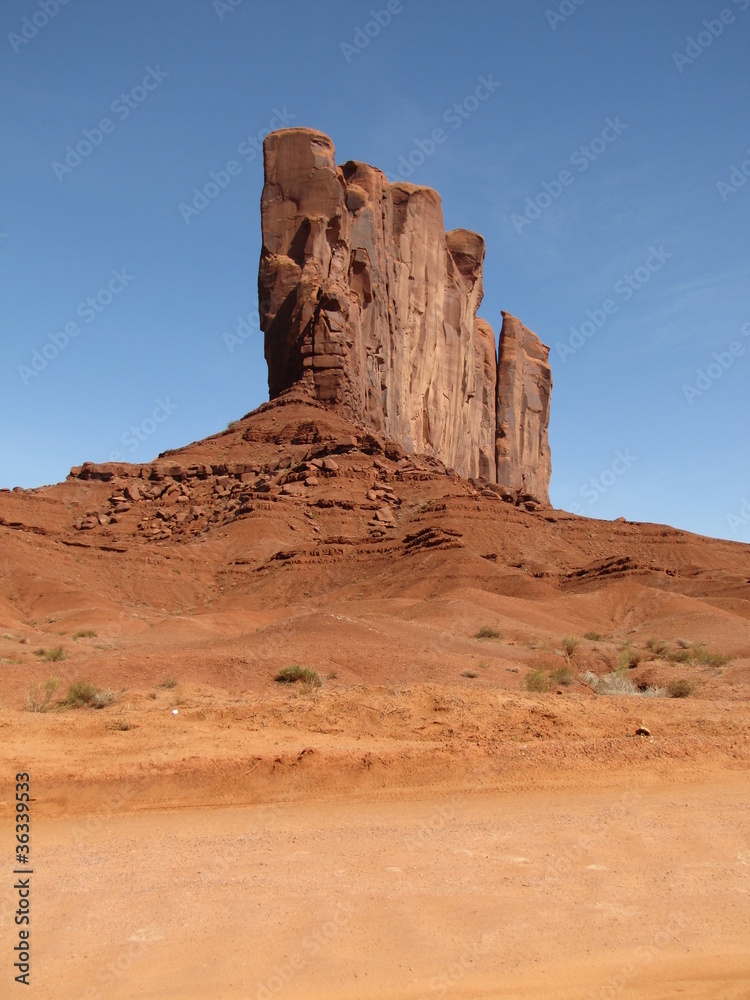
point(368, 305)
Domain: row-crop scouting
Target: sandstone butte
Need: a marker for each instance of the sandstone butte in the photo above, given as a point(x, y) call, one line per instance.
point(369, 307)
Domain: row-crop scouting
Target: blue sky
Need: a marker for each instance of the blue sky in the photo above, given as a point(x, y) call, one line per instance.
point(604, 168)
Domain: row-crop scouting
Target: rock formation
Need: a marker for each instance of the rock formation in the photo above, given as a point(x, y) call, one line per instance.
point(368, 305)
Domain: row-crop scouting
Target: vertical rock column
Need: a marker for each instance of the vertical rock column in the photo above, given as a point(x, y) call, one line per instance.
point(524, 386)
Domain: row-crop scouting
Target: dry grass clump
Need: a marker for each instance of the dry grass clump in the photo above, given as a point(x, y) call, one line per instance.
point(51, 655)
point(562, 676)
point(569, 645)
point(681, 688)
point(487, 632)
point(629, 658)
point(294, 673)
point(39, 695)
point(618, 683)
point(537, 681)
point(84, 694)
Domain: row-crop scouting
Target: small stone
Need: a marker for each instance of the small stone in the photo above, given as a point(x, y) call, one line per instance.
point(642, 731)
point(311, 481)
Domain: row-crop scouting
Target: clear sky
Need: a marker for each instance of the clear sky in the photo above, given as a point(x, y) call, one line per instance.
point(607, 165)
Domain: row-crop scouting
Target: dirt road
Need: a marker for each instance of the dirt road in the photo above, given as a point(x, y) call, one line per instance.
point(551, 894)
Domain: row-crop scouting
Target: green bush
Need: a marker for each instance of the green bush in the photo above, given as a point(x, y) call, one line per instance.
point(657, 646)
point(294, 673)
point(537, 681)
point(487, 632)
point(593, 636)
point(84, 694)
point(85, 633)
point(569, 645)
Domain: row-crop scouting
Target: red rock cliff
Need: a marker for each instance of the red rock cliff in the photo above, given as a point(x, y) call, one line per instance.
point(367, 304)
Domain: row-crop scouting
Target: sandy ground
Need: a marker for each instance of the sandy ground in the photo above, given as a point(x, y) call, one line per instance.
point(638, 891)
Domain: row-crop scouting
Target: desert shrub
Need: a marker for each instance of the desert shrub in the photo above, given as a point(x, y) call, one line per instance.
point(39, 695)
point(652, 691)
point(537, 680)
point(569, 645)
point(562, 676)
point(619, 683)
point(679, 655)
point(53, 655)
point(85, 633)
point(629, 658)
point(168, 682)
point(616, 683)
point(701, 655)
point(294, 673)
point(487, 632)
point(469, 673)
point(657, 646)
point(681, 688)
point(84, 694)
point(120, 726)
point(593, 636)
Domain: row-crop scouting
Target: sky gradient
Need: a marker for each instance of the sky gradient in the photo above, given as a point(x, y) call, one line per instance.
point(601, 148)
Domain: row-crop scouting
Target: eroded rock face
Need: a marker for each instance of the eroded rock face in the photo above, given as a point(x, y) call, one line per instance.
point(369, 305)
point(524, 386)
